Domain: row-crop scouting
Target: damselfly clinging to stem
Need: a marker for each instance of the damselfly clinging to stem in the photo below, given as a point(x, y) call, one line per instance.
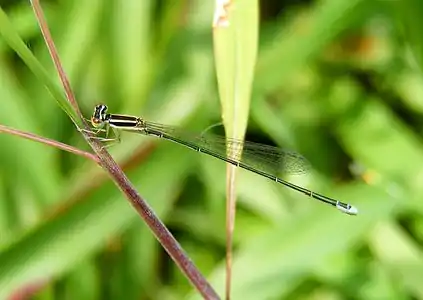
point(264, 160)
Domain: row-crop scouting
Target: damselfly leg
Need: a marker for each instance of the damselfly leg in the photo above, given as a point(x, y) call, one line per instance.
point(106, 139)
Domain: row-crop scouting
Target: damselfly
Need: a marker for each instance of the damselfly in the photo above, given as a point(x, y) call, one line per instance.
point(268, 161)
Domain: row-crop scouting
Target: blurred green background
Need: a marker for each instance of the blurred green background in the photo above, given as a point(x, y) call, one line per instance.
point(338, 81)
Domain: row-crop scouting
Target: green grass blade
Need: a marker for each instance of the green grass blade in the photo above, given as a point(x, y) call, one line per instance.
point(235, 49)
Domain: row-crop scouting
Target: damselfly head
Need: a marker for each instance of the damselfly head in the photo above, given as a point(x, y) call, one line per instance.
point(99, 116)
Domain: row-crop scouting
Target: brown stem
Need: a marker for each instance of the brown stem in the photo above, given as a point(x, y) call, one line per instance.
point(49, 142)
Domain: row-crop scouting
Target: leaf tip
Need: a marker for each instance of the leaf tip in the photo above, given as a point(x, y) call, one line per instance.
point(220, 18)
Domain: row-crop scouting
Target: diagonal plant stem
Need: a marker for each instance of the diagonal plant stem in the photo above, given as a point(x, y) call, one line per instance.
point(49, 142)
point(115, 172)
point(85, 189)
point(55, 57)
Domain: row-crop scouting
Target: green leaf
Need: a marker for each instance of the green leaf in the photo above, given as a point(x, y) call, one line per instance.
point(235, 49)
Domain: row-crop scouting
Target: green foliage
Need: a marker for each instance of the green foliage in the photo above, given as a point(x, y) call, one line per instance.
point(338, 81)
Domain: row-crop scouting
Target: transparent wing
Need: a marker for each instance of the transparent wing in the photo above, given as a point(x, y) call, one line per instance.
point(272, 160)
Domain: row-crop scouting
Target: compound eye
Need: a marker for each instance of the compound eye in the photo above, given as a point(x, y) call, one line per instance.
point(101, 109)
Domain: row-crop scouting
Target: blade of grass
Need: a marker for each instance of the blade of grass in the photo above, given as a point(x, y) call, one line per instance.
point(235, 37)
